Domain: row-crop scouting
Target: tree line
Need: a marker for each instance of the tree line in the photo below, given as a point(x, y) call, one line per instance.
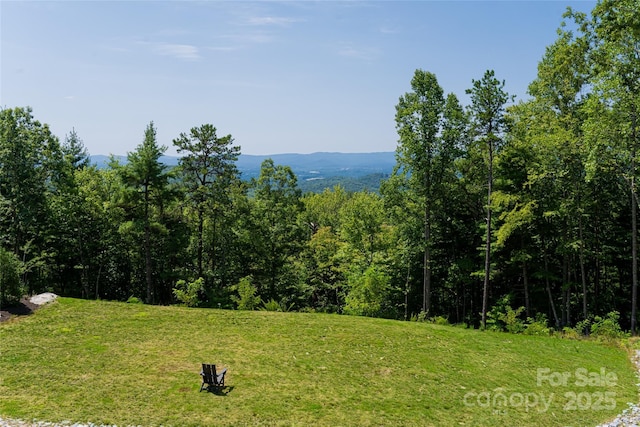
point(530, 204)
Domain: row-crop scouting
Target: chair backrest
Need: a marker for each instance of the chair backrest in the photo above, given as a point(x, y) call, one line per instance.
point(209, 372)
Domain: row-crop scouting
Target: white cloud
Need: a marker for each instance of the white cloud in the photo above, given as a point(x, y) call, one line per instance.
point(366, 53)
point(389, 30)
point(243, 39)
point(222, 48)
point(180, 51)
point(272, 20)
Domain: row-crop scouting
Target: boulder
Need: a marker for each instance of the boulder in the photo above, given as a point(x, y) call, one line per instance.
point(42, 299)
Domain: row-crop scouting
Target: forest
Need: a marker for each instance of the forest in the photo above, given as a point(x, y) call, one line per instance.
point(500, 203)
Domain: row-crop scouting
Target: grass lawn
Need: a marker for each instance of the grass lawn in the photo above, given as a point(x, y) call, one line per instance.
point(130, 364)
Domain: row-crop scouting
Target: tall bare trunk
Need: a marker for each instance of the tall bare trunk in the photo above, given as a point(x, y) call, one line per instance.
point(426, 262)
point(634, 251)
point(525, 281)
point(634, 224)
point(200, 241)
point(406, 290)
point(548, 286)
point(583, 274)
point(426, 303)
point(147, 247)
point(487, 254)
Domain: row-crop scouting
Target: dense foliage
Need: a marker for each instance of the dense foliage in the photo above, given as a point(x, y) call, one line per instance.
point(534, 203)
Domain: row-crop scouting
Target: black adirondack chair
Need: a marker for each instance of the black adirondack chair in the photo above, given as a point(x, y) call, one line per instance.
point(211, 378)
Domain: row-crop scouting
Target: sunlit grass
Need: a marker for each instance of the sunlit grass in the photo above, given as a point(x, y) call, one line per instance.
point(138, 365)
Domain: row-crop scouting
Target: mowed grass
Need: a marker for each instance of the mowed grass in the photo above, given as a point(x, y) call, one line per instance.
point(115, 363)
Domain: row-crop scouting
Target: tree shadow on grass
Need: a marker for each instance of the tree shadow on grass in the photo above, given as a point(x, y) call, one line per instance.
point(22, 308)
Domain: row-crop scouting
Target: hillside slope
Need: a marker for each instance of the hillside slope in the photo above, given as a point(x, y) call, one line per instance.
point(130, 364)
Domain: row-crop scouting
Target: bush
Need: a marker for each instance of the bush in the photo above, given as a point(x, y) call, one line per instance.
point(420, 317)
point(246, 299)
point(273, 305)
point(583, 327)
point(537, 326)
point(607, 327)
point(188, 293)
point(367, 293)
point(11, 289)
point(134, 300)
point(439, 320)
point(570, 333)
point(502, 317)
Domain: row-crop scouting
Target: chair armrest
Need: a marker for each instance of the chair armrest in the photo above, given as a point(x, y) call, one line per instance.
point(221, 374)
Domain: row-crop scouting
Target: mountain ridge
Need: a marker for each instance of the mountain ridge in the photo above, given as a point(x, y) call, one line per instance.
point(315, 171)
point(309, 165)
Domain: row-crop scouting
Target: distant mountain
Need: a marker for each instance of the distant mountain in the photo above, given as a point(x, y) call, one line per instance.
point(317, 166)
point(102, 161)
point(315, 171)
point(370, 183)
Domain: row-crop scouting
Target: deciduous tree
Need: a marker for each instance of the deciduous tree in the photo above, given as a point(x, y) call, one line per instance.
point(424, 156)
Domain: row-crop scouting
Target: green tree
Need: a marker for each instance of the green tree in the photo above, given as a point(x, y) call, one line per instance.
point(368, 293)
point(72, 226)
point(321, 257)
point(11, 289)
point(322, 209)
point(611, 126)
point(28, 153)
point(188, 293)
point(147, 179)
point(105, 209)
point(488, 100)
point(541, 198)
point(425, 155)
point(246, 298)
point(363, 219)
point(207, 168)
point(323, 253)
point(277, 235)
point(74, 151)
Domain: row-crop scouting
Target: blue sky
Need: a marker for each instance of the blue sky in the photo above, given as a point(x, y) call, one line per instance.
point(280, 77)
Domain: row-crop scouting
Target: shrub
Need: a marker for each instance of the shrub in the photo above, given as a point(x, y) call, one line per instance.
point(188, 293)
point(367, 293)
point(134, 300)
point(246, 298)
point(439, 320)
point(273, 305)
point(502, 317)
point(583, 327)
point(420, 317)
point(607, 327)
point(570, 333)
point(11, 289)
point(537, 326)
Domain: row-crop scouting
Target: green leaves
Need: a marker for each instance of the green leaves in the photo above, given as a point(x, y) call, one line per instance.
point(487, 109)
point(367, 293)
point(207, 172)
point(11, 289)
